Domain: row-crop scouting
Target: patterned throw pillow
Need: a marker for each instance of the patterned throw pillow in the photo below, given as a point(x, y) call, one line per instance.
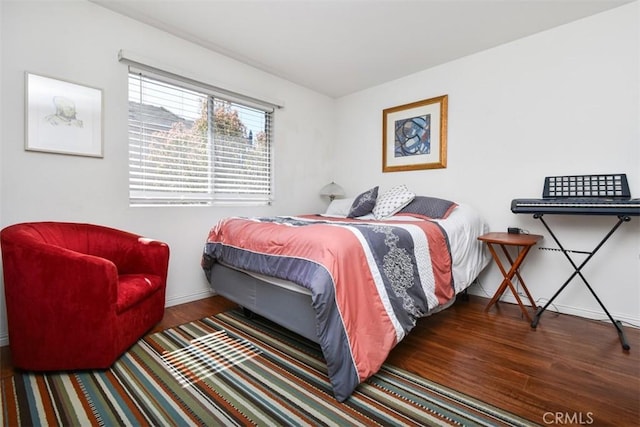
point(431, 207)
point(392, 201)
point(364, 203)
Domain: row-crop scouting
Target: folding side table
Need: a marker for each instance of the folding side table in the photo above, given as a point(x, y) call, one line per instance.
point(523, 242)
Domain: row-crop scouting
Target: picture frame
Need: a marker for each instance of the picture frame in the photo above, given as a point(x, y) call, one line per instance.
point(62, 117)
point(414, 135)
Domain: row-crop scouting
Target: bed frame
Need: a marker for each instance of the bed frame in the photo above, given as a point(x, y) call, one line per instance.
point(289, 306)
point(286, 306)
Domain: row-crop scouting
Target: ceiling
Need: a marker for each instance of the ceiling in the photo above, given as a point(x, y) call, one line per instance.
point(337, 47)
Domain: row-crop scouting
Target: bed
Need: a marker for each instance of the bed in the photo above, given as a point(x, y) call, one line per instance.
point(355, 284)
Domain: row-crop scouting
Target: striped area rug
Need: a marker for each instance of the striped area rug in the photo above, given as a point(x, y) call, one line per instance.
point(230, 370)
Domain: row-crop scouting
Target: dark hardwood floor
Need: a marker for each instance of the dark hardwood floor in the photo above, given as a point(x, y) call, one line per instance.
point(568, 371)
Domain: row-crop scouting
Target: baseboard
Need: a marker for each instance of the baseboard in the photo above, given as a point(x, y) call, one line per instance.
point(579, 312)
point(183, 299)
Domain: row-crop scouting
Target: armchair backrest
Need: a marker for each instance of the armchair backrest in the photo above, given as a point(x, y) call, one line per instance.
point(90, 239)
point(78, 237)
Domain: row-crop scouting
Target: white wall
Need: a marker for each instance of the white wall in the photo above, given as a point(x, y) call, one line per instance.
point(560, 102)
point(79, 41)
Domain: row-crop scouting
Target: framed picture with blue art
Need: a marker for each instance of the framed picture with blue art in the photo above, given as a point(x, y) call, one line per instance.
point(414, 136)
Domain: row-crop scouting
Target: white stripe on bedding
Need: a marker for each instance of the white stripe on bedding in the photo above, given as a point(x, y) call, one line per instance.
point(377, 278)
point(423, 261)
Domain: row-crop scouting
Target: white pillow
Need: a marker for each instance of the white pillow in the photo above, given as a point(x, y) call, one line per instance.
point(392, 201)
point(340, 207)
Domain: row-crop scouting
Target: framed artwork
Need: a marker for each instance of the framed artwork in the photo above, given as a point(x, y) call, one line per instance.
point(414, 136)
point(62, 117)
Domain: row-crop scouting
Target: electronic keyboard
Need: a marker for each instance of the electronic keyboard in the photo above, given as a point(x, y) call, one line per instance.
point(572, 206)
point(582, 195)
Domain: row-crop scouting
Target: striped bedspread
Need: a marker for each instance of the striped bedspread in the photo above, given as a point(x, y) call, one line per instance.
point(370, 280)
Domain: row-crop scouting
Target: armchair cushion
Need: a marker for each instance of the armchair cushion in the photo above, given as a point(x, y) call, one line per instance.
point(133, 288)
point(79, 295)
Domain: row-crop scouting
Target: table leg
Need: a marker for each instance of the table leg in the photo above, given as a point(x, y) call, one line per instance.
point(524, 285)
point(506, 282)
point(503, 285)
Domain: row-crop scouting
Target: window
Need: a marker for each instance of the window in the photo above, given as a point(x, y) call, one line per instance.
point(188, 146)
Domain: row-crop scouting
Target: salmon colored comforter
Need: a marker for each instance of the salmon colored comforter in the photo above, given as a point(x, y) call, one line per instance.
point(370, 280)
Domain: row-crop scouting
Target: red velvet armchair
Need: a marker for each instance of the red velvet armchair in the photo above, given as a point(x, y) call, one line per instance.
point(79, 295)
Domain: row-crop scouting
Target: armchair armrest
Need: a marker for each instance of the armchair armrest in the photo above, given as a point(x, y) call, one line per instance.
point(145, 256)
point(51, 290)
point(131, 253)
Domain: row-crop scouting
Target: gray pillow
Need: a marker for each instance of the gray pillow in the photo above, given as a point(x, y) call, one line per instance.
point(431, 207)
point(364, 203)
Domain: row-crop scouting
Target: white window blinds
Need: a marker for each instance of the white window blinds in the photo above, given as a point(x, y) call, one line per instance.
point(190, 147)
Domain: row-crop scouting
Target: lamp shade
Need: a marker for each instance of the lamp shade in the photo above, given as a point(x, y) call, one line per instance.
point(332, 190)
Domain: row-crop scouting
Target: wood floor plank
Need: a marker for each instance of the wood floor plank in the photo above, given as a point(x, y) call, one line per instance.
point(568, 370)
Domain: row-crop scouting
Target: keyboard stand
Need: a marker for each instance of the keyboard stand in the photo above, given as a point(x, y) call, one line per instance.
point(616, 323)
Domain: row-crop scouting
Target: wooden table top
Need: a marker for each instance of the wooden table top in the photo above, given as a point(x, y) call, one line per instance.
point(511, 238)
